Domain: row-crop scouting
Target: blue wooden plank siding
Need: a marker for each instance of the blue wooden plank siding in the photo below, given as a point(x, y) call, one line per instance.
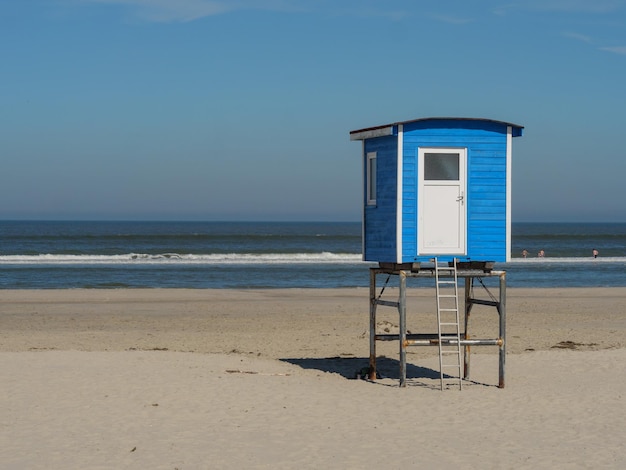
point(487, 228)
point(486, 203)
point(379, 221)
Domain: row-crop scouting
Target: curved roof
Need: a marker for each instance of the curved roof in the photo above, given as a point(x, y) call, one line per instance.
point(386, 129)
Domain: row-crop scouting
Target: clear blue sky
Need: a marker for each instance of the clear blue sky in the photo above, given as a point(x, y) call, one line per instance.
point(241, 109)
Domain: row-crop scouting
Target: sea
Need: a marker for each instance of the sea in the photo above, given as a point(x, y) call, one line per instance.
point(198, 255)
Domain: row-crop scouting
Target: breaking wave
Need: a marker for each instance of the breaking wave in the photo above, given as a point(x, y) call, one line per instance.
point(181, 259)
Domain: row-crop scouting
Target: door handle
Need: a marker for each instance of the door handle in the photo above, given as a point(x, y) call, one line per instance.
point(460, 199)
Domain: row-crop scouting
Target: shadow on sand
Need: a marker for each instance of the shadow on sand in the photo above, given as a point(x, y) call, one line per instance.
point(351, 367)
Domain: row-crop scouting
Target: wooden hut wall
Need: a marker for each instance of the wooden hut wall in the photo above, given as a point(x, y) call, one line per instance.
point(380, 219)
point(486, 144)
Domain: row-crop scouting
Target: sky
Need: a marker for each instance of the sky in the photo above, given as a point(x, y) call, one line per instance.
point(241, 109)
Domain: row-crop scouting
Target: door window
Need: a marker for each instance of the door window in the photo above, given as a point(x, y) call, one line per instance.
point(441, 166)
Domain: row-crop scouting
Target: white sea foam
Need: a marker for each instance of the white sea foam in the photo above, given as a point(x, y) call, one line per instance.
point(246, 258)
point(182, 259)
point(568, 260)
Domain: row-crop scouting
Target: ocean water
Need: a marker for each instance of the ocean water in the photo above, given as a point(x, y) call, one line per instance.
point(45, 254)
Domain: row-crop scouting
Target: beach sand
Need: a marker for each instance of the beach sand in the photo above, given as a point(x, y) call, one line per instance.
point(203, 379)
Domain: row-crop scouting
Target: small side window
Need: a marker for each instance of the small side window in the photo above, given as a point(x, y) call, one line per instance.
point(371, 178)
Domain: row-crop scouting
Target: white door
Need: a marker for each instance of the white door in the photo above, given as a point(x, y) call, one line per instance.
point(441, 201)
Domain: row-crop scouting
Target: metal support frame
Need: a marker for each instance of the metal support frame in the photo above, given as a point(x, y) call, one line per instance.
point(406, 340)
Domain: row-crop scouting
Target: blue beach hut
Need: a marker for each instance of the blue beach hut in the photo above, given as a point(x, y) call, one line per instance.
point(437, 187)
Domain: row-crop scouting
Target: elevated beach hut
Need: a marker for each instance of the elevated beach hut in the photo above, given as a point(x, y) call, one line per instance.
point(437, 187)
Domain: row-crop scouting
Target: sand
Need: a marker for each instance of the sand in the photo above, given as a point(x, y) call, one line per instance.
point(199, 379)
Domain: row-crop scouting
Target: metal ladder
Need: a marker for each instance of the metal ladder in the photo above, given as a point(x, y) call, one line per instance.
point(449, 329)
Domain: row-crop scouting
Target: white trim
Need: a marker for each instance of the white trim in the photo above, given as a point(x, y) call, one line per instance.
point(363, 205)
point(509, 154)
point(399, 195)
point(368, 134)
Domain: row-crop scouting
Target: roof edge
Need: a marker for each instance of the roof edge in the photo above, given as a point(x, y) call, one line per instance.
point(368, 132)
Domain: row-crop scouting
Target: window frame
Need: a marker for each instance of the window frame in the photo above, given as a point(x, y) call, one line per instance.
point(371, 178)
